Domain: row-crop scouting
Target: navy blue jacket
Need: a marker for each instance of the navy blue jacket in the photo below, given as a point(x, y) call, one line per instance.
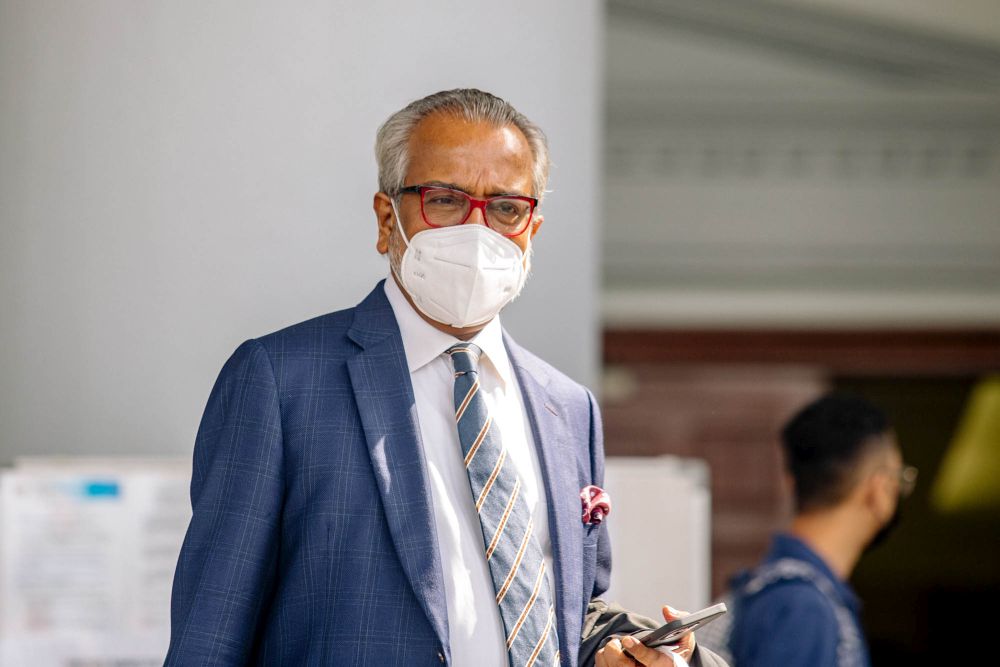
point(791, 622)
point(312, 540)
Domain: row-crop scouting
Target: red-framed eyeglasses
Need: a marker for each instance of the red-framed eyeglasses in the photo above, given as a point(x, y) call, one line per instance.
point(444, 207)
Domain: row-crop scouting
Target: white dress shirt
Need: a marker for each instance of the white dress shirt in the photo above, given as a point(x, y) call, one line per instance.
point(474, 623)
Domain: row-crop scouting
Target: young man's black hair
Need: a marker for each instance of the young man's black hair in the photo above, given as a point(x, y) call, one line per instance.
point(823, 444)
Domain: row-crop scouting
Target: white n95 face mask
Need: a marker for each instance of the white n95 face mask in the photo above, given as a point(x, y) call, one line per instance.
point(461, 276)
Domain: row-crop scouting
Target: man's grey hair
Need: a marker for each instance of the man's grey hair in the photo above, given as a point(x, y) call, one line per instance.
point(392, 139)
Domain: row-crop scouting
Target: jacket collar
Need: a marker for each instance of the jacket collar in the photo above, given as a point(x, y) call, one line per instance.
point(384, 396)
point(556, 452)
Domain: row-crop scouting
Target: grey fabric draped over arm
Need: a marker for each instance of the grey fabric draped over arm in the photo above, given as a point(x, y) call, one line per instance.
point(605, 620)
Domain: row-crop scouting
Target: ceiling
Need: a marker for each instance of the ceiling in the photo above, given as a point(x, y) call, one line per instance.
point(806, 162)
point(818, 47)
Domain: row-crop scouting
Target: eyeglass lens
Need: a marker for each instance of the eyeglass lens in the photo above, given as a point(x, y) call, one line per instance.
point(907, 480)
point(445, 208)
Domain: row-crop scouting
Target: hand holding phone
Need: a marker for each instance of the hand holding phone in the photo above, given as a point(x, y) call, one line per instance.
point(674, 631)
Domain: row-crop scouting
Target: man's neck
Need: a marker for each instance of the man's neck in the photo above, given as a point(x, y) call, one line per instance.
point(461, 333)
point(832, 534)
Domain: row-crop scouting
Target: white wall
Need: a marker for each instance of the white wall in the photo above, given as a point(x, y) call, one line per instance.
point(661, 533)
point(176, 177)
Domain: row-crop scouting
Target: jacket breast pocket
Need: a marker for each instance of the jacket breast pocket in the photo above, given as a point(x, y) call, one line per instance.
point(591, 538)
point(592, 533)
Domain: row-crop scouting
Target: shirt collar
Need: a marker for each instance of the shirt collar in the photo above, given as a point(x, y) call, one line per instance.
point(424, 343)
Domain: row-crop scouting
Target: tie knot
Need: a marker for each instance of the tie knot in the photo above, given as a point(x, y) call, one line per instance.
point(464, 357)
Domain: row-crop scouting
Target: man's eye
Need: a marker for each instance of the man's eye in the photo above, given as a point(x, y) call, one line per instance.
point(506, 208)
point(443, 200)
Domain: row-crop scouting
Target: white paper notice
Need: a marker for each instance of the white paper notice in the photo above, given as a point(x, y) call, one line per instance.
point(660, 528)
point(87, 559)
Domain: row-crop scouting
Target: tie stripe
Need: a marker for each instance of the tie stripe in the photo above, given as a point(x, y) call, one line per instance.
point(512, 635)
point(478, 441)
point(493, 478)
point(468, 398)
point(541, 640)
point(512, 549)
point(503, 520)
point(516, 564)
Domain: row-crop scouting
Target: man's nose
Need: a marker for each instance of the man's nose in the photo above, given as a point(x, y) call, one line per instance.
point(477, 216)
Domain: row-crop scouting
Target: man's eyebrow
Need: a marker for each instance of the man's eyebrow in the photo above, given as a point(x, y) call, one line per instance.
point(454, 186)
point(510, 194)
point(450, 186)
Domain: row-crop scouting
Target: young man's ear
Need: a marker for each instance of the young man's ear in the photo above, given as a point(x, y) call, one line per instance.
point(878, 497)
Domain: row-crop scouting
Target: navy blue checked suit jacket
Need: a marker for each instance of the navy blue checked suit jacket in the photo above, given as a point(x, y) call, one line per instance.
point(312, 540)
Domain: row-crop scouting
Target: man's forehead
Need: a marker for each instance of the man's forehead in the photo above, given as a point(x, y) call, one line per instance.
point(453, 130)
point(453, 149)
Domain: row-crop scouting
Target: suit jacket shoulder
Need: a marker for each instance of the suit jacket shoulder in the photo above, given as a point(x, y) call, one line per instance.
point(324, 334)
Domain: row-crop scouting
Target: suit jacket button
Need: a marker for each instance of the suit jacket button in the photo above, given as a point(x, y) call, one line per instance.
point(441, 656)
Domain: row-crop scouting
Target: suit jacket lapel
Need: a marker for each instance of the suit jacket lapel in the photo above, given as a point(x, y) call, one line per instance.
point(555, 454)
point(384, 396)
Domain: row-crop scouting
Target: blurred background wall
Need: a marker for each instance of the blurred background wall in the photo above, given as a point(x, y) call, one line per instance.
point(804, 195)
point(177, 177)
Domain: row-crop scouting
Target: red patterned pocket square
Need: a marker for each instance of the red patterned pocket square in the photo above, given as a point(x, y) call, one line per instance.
point(596, 504)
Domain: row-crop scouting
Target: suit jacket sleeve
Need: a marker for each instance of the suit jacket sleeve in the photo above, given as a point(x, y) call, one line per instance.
point(226, 569)
point(604, 620)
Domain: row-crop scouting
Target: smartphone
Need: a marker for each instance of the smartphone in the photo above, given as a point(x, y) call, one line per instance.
point(674, 631)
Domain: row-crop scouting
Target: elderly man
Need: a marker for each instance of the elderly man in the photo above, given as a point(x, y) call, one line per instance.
point(399, 483)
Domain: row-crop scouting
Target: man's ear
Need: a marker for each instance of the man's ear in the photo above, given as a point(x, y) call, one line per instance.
point(536, 222)
point(385, 219)
point(876, 495)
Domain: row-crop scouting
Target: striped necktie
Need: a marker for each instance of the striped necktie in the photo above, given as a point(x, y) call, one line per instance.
point(512, 550)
